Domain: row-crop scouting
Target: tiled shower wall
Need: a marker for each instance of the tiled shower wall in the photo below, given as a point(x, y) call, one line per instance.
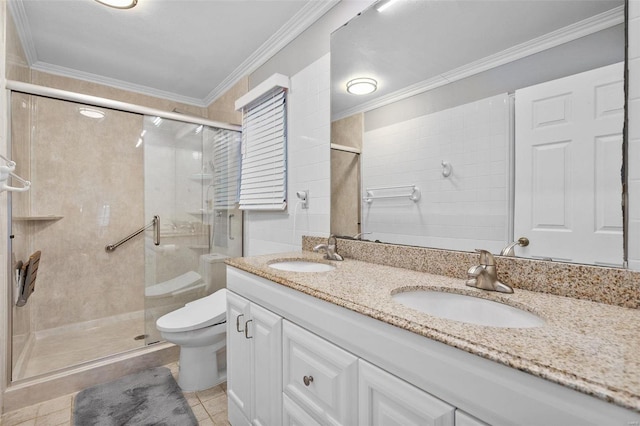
point(634, 134)
point(469, 208)
point(308, 168)
point(91, 174)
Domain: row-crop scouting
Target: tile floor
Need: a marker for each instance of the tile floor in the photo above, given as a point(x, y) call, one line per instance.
point(209, 407)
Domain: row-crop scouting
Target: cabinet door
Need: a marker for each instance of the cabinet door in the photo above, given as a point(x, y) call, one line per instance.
point(319, 376)
point(387, 400)
point(265, 333)
point(238, 360)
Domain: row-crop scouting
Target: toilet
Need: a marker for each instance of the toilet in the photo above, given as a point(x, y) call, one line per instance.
point(199, 328)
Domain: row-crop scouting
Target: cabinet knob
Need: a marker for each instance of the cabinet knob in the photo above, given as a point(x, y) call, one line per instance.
point(307, 380)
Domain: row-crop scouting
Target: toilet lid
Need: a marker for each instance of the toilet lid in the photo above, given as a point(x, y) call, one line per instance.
point(200, 313)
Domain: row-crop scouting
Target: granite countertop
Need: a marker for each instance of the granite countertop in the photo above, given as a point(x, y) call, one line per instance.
point(591, 347)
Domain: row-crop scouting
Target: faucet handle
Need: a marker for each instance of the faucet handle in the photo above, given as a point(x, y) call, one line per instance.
point(486, 258)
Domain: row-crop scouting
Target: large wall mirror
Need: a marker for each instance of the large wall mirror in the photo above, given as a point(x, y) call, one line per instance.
point(490, 121)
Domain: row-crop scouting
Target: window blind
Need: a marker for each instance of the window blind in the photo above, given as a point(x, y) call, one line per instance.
point(226, 160)
point(263, 173)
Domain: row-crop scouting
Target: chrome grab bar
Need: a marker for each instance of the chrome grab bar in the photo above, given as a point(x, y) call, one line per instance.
point(156, 235)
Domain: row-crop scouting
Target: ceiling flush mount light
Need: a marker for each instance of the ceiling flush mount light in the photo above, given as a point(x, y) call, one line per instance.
point(119, 4)
point(91, 113)
point(362, 86)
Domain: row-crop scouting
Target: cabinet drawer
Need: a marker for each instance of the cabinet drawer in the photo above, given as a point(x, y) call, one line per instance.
point(319, 376)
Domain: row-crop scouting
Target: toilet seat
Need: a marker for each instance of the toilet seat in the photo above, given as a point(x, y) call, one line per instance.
point(198, 314)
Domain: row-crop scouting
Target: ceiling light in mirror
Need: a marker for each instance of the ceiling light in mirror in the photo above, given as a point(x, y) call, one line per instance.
point(362, 86)
point(119, 4)
point(91, 113)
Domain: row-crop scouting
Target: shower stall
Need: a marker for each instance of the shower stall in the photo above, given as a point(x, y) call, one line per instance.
point(101, 172)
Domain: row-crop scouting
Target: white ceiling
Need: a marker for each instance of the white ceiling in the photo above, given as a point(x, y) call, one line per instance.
point(417, 45)
point(189, 51)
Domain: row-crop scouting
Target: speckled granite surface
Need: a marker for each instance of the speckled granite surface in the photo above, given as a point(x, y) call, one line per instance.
point(591, 347)
point(613, 286)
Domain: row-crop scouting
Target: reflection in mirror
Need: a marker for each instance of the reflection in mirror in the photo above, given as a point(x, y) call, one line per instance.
point(491, 121)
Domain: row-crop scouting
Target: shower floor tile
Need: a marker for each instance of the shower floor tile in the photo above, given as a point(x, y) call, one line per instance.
point(74, 347)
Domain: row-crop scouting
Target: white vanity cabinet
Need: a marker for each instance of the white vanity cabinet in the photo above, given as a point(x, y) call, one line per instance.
point(254, 363)
point(322, 364)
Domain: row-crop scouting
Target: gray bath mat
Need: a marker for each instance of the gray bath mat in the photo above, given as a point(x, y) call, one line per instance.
point(151, 397)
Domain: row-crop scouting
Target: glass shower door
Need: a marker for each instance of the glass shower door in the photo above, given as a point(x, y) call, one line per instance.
point(186, 180)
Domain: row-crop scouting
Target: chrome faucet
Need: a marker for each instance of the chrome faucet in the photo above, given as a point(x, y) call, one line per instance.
point(329, 249)
point(484, 275)
point(510, 249)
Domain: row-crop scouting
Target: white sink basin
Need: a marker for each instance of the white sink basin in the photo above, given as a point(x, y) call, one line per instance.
point(302, 266)
point(469, 309)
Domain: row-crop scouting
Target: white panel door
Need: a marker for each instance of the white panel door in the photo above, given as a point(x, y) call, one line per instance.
point(238, 360)
point(568, 159)
point(265, 333)
point(385, 400)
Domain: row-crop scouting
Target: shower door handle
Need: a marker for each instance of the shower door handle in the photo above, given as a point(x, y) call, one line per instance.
point(156, 230)
point(229, 227)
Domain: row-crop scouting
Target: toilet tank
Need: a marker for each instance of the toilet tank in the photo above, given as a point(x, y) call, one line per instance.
point(213, 271)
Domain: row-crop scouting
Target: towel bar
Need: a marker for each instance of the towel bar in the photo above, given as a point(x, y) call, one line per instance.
point(413, 196)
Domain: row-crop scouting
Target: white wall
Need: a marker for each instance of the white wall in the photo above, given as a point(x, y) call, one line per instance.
point(306, 61)
point(468, 209)
point(308, 168)
point(634, 134)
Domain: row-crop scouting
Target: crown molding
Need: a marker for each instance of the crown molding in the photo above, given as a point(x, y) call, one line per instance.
point(115, 83)
point(24, 30)
point(305, 17)
point(309, 14)
point(563, 35)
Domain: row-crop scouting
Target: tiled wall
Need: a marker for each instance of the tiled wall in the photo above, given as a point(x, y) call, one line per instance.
point(223, 108)
point(90, 173)
point(308, 168)
point(469, 208)
point(634, 134)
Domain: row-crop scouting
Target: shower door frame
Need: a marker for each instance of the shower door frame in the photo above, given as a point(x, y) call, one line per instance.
point(64, 95)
